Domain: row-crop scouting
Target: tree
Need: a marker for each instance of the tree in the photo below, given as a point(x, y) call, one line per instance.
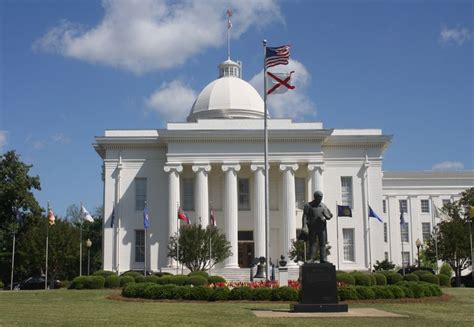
point(383, 265)
point(297, 251)
point(199, 249)
point(452, 235)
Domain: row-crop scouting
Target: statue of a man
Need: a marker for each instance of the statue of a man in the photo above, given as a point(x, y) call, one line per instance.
point(315, 214)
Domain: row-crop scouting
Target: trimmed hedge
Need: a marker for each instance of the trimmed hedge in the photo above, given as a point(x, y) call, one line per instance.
point(284, 293)
point(262, 294)
point(444, 280)
point(165, 279)
point(140, 279)
point(365, 293)
point(446, 270)
point(394, 278)
point(88, 282)
point(241, 293)
point(422, 272)
point(151, 279)
point(361, 279)
point(179, 280)
point(104, 273)
point(429, 278)
point(112, 281)
point(197, 280)
point(411, 277)
point(198, 273)
point(397, 291)
point(348, 293)
point(215, 279)
point(380, 279)
point(222, 294)
point(134, 274)
point(125, 280)
point(382, 292)
point(200, 293)
point(344, 277)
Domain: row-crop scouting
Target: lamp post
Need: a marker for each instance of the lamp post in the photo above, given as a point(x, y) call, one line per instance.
point(88, 245)
point(418, 245)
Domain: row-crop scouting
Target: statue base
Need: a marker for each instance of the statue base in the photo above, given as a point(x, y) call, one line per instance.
point(318, 289)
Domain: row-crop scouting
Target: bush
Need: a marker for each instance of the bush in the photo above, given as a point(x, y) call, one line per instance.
point(184, 292)
point(347, 293)
point(365, 293)
point(408, 292)
point(435, 290)
point(241, 293)
point(197, 280)
point(446, 270)
point(153, 291)
point(79, 283)
point(344, 277)
point(140, 279)
point(134, 274)
point(179, 280)
point(221, 294)
point(200, 293)
point(411, 277)
point(393, 278)
point(429, 278)
point(426, 289)
point(417, 289)
point(1, 285)
point(284, 293)
point(362, 279)
point(64, 284)
point(151, 279)
point(386, 272)
point(443, 280)
point(398, 292)
point(112, 281)
point(422, 272)
point(95, 282)
point(382, 292)
point(380, 279)
point(161, 274)
point(199, 273)
point(262, 294)
point(132, 289)
point(215, 279)
point(165, 279)
point(373, 281)
point(125, 280)
point(104, 273)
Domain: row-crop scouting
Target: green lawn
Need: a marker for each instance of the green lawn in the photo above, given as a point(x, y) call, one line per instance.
point(92, 308)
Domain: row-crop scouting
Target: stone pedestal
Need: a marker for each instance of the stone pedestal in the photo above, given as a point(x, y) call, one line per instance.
point(318, 289)
point(283, 276)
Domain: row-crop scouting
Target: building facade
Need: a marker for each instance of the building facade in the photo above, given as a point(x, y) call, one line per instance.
point(214, 161)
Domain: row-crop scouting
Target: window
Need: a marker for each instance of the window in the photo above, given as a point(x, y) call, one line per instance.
point(425, 206)
point(348, 236)
point(188, 194)
point(245, 235)
point(386, 255)
point(300, 193)
point(346, 191)
point(244, 194)
point(140, 193)
point(405, 259)
point(426, 230)
point(139, 245)
point(385, 237)
point(384, 206)
point(404, 232)
point(403, 206)
point(446, 201)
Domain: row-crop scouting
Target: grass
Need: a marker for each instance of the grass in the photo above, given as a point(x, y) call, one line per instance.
point(92, 308)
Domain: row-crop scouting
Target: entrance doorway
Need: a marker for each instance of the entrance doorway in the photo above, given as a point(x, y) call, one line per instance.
point(246, 254)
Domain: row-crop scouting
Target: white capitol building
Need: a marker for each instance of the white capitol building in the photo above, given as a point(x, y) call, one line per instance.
point(215, 160)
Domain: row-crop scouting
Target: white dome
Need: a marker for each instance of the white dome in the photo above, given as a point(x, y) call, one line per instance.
point(227, 97)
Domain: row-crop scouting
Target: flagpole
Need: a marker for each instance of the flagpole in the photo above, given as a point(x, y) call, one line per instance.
point(13, 261)
point(403, 265)
point(47, 241)
point(80, 243)
point(265, 127)
point(433, 222)
point(177, 239)
point(337, 234)
point(144, 270)
point(368, 218)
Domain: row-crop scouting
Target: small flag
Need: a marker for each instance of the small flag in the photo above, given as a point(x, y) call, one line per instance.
point(344, 211)
point(279, 83)
point(440, 214)
point(146, 222)
point(229, 23)
point(402, 219)
point(277, 56)
point(213, 218)
point(51, 217)
point(112, 220)
point(85, 215)
point(374, 215)
point(182, 216)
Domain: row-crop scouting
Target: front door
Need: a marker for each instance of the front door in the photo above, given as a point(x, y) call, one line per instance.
point(246, 254)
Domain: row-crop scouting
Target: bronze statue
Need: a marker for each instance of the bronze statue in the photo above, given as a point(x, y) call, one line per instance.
point(315, 214)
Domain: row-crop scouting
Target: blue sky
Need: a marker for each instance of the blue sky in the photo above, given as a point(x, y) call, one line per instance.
point(71, 69)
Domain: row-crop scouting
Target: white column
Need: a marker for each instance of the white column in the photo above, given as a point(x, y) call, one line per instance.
point(288, 211)
point(201, 194)
point(173, 201)
point(316, 178)
point(231, 212)
point(259, 209)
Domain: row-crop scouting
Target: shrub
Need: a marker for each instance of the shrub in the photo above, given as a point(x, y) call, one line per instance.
point(284, 293)
point(112, 281)
point(153, 291)
point(78, 283)
point(1, 285)
point(241, 293)
point(64, 284)
point(382, 292)
point(344, 277)
point(361, 279)
point(221, 294)
point(197, 280)
point(140, 279)
point(199, 273)
point(446, 270)
point(386, 272)
point(215, 279)
point(365, 293)
point(179, 280)
point(422, 272)
point(103, 273)
point(435, 290)
point(134, 274)
point(373, 281)
point(125, 280)
point(393, 278)
point(417, 289)
point(408, 292)
point(200, 293)
point(151, 279)
point(262, 294)
point(443, 280)
point(411, 277)
point(161, 274)
point(426, 289)
point(397, 291)
point(165, 279)
point(429, 278)
point(347, 293)
point(95, 282)
point(380, 279)
point(132, 289)
point(184, 292)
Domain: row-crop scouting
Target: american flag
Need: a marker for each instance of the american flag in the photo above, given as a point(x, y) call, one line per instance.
point(229, 23)
point(51, 217)
point(277, 56)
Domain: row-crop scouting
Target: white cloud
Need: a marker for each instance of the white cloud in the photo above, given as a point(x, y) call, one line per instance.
point(60, 138)
point(3, 139)
point(454, 36)
point(448, 166)
point(148, 35)
point(39, 144)
point(295, 103)
point(172, 101)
